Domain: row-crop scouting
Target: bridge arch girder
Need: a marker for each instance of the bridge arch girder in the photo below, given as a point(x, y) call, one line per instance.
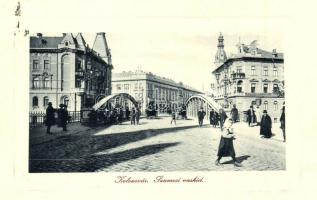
point(109, 98)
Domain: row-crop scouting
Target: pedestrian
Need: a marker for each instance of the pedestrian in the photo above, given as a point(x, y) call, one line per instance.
point(64, 117)
point(226, 147)
point(201, 114)
point(120, 116)
point(266, 125)
point(258, 115)
point(50, 117)
point(127, 113)
point(212, 117)
point(173, 117)
point(216, 119)
point(234, 114)
point(282, 120)
point(133, 116)
point(137, 116)
point(251, 116)
point(222, 117)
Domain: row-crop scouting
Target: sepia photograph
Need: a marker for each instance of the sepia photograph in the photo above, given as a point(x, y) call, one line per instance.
point(181, 102)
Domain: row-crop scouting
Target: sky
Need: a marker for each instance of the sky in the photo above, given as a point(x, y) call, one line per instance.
point(186, 57)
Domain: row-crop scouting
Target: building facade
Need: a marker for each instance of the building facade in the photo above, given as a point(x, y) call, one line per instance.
point(149, 89)
point(64, 70)
point(252, 76)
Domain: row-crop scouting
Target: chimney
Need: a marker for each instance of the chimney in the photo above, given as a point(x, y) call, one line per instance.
point(274, 53)
point(39, 35)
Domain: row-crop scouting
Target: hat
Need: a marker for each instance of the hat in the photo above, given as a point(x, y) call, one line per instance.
point(61, 105)
point(264, 111)
point(49, 103)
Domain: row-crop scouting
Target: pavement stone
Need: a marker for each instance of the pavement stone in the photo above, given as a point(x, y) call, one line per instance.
point(156, 145)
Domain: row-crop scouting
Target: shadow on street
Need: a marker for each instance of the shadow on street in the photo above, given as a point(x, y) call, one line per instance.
point(92, 163)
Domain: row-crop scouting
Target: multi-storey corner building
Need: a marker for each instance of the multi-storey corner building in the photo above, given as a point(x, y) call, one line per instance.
point(65, 70)
point(250, 77)
point(148, 88)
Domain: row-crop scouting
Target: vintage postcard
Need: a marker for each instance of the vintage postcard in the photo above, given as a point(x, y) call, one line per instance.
point(150, 96)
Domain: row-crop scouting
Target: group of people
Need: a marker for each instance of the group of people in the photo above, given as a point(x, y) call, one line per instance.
point(226, 147)
point(115, 116)
point(62, 117)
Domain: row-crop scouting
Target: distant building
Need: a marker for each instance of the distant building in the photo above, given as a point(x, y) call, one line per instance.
point(149, 89)
point(64, 70)
point(250, 77)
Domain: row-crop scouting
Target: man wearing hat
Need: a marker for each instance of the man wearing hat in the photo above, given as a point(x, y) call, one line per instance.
point(62, 116)
point(266, 125)
point(50, 118)
point(201, 114)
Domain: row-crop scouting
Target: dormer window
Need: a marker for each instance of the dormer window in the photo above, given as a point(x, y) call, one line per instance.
point(66, 43)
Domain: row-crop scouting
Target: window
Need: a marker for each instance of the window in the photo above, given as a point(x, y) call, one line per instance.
point(275, 71)
point(239, 69)
point(239, 86)
point(35, 64)
point(36, 82)
point(265, 105)
point(266, 71)
point(65, 100)
point(78, 83)
point(275, 105)
point(78, 66)
point(35, 101)
point(45, 101)
point(252, 87)
point(118, 86)
point(252, 70)
point(46, 82)
point(135, 86)
point(126, 86)
point(265, 87)
point(46, 64)
point(275, 88)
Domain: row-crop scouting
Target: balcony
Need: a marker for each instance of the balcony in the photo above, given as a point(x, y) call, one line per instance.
point(238, 75)
point(249, 94)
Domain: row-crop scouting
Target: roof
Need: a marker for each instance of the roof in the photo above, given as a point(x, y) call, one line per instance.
point(45, 42)
point(260, 55)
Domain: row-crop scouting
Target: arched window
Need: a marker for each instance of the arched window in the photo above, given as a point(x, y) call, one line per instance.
point(35, 101)
point(265, 105)
point(275, 88)
point(239, 86)
point(36, 82)
point(265, 87)
point(45, 101)
point(46, 82)
point(65, 100)
point(275, 105)
point(253, 87)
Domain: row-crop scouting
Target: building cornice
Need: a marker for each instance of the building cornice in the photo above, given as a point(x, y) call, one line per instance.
point(246, 58)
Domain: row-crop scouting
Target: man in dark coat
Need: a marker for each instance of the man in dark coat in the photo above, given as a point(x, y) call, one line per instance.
point(127, 112)
point(282, 120)
point(234, 114)
point(133, 115)
point(212, 117)
point(222, 118)
point(251, 115)
point(266, 125)
point(201, 114)
point(64, 117)
point(50, 117)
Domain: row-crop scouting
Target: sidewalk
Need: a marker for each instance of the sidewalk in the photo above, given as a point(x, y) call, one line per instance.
point(38, 135)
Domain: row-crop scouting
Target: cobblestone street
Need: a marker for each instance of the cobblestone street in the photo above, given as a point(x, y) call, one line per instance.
point(156, 145)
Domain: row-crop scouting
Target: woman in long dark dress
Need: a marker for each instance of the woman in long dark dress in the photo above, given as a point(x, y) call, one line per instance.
point(226, 143)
